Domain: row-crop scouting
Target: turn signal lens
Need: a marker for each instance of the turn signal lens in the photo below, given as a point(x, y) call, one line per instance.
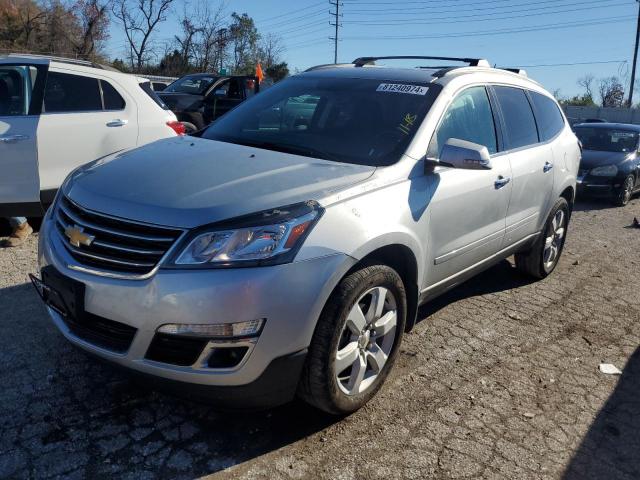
point(249, 328)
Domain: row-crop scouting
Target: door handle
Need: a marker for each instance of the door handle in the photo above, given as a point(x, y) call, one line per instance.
point(13, 138)
point(547, 166)
point(502, 181)
point(117, 123)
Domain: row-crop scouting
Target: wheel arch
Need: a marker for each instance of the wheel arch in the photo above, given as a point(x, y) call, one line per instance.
point(402, 259)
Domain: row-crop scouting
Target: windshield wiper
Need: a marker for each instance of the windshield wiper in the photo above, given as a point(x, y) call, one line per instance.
point(289, 148)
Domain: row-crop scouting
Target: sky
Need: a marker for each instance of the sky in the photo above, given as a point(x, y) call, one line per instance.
point(545, 36)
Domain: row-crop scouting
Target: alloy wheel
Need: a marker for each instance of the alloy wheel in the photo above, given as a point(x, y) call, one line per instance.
point(554, 239)
point(366, 340)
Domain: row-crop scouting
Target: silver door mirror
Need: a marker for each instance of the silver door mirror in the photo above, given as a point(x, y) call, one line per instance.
point(462, 154)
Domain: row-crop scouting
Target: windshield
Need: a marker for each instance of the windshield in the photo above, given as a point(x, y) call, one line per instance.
point(607, 139)
point(196, 85)
point(362, 121)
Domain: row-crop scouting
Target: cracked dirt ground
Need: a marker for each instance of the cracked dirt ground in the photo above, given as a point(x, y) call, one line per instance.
point(499, 380)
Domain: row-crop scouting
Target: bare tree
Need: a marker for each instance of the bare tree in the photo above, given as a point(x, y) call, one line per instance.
point(187, 38)
point(211, 45)
point(30, 18)
point(611, 92)
point(139, 18)
point(94, 20)
point(586, 82)
point(270, 50)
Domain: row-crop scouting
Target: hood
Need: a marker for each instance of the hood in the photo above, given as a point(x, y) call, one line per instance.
point(595, 158)
point(181, 101)
point(188, 182)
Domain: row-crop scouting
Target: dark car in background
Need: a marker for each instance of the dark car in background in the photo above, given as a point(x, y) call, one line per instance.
point(610, 165)
point(199, 99)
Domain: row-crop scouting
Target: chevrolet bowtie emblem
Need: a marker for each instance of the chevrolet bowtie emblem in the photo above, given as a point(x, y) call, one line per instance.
point(77, 236)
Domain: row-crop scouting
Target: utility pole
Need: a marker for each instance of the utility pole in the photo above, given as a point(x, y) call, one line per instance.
point(635, 60)
point(337, 14)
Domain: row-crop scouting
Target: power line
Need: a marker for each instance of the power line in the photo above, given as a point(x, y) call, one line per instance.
point(289, 21)
point(291, 12)
point(552, 26)
point(441, 20)
point(337, 24)
point(528, 8)
point(572, 64)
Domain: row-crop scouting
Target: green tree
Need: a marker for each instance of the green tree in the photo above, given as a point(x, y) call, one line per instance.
point(277, 71)
point(244, 43)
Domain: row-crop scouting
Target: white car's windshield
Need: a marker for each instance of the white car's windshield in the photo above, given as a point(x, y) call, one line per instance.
point(363, 121)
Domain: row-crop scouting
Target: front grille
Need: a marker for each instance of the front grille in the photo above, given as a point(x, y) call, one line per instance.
point(119, 245)
point(104, 333)
point(176, 350)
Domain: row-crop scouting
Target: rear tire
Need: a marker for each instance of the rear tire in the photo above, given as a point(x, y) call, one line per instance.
point(626, 192)
point(542, 258)
point(350, 354)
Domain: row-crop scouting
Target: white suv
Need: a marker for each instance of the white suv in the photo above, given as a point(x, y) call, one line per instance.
point(57, 114)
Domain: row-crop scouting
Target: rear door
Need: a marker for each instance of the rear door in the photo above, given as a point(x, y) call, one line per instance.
point(84, 118)
point(21, 87)
point(531, 164)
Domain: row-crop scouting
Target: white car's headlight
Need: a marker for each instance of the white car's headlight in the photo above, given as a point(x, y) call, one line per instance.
point(605, 171)
point(267, 238)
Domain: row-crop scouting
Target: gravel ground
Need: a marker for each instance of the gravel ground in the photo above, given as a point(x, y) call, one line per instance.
point(499, 380)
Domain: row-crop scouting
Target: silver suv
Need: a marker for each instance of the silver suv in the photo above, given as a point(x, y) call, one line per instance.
point(287, 250)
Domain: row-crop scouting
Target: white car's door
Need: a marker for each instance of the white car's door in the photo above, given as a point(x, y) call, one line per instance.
point(84, 118)
point(21, 86)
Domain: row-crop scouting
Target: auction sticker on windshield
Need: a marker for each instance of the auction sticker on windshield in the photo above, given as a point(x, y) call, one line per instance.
point(401, 88)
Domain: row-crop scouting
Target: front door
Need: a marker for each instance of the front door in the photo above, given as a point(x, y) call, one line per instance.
point(468, 207)
point(21, 87)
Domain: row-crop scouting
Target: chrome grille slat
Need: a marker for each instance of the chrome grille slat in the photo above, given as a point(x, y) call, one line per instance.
point(119, 246)
point(103, 229)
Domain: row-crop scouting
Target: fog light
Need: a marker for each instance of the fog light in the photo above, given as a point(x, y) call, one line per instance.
point(249, 328)
point(226, 357)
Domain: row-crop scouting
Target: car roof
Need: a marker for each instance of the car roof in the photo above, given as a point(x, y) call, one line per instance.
point(619, 126)
point(440, 75)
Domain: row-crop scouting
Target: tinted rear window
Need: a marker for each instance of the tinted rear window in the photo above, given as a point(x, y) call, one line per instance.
point(148, 89)
point(112, 99)
point(518, 116)
point(71, 93)
point(550, 120)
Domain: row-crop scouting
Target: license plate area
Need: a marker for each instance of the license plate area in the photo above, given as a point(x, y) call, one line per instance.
point(64, 295)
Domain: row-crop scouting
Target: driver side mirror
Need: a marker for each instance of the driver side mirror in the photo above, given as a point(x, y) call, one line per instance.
point(458, 153)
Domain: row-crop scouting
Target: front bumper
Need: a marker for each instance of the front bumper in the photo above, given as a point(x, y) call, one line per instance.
point(599, 187)
point(290, 297)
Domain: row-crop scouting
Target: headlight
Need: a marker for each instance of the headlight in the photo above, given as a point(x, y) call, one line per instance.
point(605, 171)
point(267, 238)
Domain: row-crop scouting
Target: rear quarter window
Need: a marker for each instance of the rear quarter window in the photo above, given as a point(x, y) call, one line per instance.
point(550, 120)
point(148, 89)
point(516, 110)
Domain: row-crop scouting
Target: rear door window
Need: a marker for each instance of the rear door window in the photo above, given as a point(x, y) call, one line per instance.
point(66, 93)
point(469, 117)
point(550, 120)
point(111, 97)
point(518, 117)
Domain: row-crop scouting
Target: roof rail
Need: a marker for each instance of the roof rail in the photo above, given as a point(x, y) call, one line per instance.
point(519, 71)
point(73, 61)
point(328, 65)
point(472, 62)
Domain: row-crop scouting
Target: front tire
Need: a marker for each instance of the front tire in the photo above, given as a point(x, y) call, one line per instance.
point(356, 340)
point(543, 257)
point(626, 192)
